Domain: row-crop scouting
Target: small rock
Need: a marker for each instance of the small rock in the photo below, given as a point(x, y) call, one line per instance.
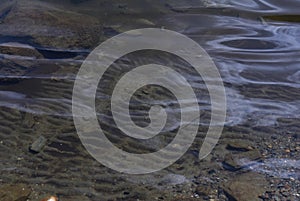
point(38, 145)
point(239, 145)
point(28, 120)
point(236, 161)
point(203, 190)
point(16, 192)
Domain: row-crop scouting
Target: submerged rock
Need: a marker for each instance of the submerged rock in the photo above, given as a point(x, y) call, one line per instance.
point(28, 120)
point(239, 145)
point(38, 145)
point(246, 187)
point(16, 192)
point(203, 190)
point(50, 26)
point(236, 161)
point(21, 50)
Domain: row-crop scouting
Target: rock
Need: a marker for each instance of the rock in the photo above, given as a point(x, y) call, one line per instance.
point(203, 190)
point(16, 192)
point(50, 26)
point(239, 145)
point(11, 71)
point(18, 49)
point(236, 161)
point(38, 145)
point(28, 120)
point(246, 187)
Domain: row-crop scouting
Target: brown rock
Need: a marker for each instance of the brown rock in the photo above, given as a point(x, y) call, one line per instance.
point(239, 145)
point(50, 26)
point(18, 49)
point(236, 161)
point(203, 190)
point(246, 187)
point(16, 192)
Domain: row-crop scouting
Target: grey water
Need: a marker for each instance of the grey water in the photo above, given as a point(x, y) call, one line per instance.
point(255, 45)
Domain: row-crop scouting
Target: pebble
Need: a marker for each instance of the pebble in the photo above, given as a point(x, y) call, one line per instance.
point(239, 145)
point(38, 145)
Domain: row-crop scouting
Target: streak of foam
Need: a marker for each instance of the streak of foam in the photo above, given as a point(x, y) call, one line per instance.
point(277, 167)
point(263, 112)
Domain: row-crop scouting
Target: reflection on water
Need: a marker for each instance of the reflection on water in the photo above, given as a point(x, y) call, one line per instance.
point(282, 168)
point(255, 44)
point(249, 52)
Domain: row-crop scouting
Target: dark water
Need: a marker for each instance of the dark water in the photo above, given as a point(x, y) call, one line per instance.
point(255, 45)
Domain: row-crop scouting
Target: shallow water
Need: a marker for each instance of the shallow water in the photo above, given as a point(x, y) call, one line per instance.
point(256, 57)
point(43, 44)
